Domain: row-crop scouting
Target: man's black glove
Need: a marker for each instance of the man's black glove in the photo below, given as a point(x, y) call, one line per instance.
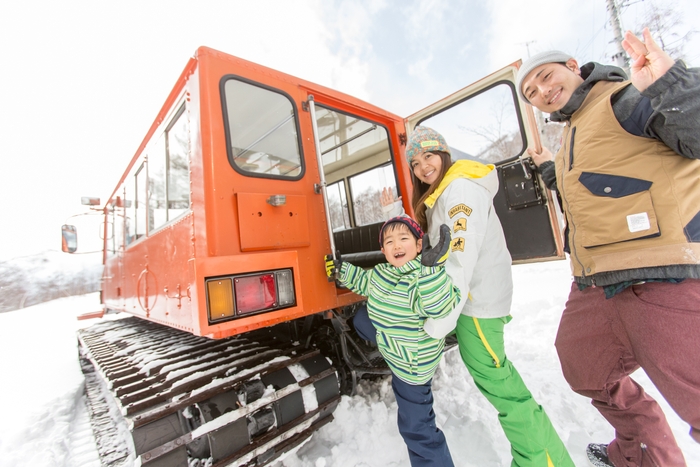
point(437, 255)
point(333, 266)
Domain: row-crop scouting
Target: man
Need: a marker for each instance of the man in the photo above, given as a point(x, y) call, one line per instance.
point(627, 174)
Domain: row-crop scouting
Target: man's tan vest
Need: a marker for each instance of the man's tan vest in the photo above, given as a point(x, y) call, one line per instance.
point(630, 201)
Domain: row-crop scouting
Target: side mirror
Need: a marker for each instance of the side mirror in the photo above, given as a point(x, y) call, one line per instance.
point(69, 234)
point(88, 201)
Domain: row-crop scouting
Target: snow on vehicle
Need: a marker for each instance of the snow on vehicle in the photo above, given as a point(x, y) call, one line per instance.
point(238, 347)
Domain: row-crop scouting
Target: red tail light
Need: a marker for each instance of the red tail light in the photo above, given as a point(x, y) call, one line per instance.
point(235, 296)
point(255, 293)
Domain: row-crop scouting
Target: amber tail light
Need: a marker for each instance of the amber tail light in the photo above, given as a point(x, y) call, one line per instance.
point(220, 296)
point(242, 295)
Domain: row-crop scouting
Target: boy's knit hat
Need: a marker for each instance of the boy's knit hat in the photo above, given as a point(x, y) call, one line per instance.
point(549, 56)
point(407, 221)
point(424, 139)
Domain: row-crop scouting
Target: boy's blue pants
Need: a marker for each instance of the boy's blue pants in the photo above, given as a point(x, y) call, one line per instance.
point(426, 443)
point(364, 326)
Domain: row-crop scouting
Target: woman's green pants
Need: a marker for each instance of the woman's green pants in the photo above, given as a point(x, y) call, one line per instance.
point(534, 443)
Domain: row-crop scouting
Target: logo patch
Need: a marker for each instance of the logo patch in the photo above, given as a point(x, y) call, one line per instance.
point(429, 144)
point(460, 208)
point(458, 244)
point(460, 224)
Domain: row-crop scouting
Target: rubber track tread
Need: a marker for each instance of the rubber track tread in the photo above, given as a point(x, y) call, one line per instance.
point(111, 447)
point(150, 372)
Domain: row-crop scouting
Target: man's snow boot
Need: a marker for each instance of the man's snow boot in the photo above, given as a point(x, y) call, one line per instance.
point(598, 455)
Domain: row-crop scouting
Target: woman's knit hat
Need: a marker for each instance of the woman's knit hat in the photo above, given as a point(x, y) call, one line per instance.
point(549, 56)
point(407, 221)
point(424, 139)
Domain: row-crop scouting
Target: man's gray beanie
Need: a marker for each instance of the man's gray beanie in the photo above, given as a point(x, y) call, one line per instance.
point(550, 56)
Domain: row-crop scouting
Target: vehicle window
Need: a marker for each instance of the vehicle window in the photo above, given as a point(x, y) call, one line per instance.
point(168, 174)
point(366, 190)
point(130, 220)
point(262, 131)
point(157, 212)
point(484, 127)
point(338, 206)
point(355, 152)
point(140, 203)
point(177, 138)
point(109, 240)
point(119, 210)
point(136, 211)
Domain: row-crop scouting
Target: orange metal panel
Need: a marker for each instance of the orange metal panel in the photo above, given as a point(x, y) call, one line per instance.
point(264, 227)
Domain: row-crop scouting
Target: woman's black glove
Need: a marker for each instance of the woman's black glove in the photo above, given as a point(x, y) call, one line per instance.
point(437, 255)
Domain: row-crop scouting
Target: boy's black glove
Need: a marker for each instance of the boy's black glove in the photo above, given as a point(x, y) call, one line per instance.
point(437, 255)
point(333, 266)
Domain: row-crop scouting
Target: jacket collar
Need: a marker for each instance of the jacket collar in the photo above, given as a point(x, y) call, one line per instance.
point(591, 73)
point(409, 266)
point(460, 169)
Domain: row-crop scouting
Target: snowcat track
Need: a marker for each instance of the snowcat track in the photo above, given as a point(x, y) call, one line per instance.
point(234, 401)
point(111, 447)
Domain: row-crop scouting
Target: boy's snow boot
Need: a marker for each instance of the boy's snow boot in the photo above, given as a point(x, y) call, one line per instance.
point(598, 455)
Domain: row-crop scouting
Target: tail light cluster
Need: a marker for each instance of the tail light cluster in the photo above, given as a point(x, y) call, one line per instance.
point(236, 296)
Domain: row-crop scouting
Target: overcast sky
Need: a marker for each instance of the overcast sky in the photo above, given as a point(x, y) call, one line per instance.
point(82, 81)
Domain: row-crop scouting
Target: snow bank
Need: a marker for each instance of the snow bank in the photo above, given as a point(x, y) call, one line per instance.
point(41, 397)
point(41, 393)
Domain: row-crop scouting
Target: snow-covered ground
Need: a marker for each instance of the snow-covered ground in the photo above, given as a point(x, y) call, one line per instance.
point(44, 422)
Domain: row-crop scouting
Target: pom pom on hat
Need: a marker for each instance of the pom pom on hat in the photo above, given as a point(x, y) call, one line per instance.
point(407, 221)
point(424, 139)
point(550, 56)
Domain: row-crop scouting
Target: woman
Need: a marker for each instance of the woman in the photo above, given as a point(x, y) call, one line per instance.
point(460, 194)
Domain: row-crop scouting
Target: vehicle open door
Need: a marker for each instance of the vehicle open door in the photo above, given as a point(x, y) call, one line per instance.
point(486, 122)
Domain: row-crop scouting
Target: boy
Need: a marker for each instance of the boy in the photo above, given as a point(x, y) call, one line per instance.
point(401, 295)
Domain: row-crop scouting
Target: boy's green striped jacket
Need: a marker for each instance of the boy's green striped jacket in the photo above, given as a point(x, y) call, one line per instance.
point(398, 302)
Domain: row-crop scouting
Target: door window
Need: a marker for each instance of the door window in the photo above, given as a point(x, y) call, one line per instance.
point(262, 131)
point(366, 189)
point(484, 127)
point(338, 206)
point(357, 164)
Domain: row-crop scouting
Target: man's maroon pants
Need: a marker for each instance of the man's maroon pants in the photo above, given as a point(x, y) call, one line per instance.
point(600, 342)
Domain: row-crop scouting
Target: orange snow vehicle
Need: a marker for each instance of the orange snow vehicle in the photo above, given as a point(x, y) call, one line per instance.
point(237, 347)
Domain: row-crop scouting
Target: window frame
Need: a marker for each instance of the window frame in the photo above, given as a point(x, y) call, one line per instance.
point(179, 110)
point(227, 128)
point(391, 162)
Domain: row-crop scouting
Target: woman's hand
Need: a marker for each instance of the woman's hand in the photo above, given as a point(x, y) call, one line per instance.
point(437, 255)
point(649, 61)
point(387, 197)
point(540, 157)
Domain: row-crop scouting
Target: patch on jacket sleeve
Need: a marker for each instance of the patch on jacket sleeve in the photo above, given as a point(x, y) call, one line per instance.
point(460, 208)
point(460, 224)
point(458, 244)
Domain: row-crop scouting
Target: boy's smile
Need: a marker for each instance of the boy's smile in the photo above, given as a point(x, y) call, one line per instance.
point(400, 245)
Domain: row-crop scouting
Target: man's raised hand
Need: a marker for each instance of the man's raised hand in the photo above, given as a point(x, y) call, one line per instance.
point(649, 61)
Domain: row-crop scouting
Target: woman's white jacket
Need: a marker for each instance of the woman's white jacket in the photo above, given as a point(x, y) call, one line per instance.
point(479, 263)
